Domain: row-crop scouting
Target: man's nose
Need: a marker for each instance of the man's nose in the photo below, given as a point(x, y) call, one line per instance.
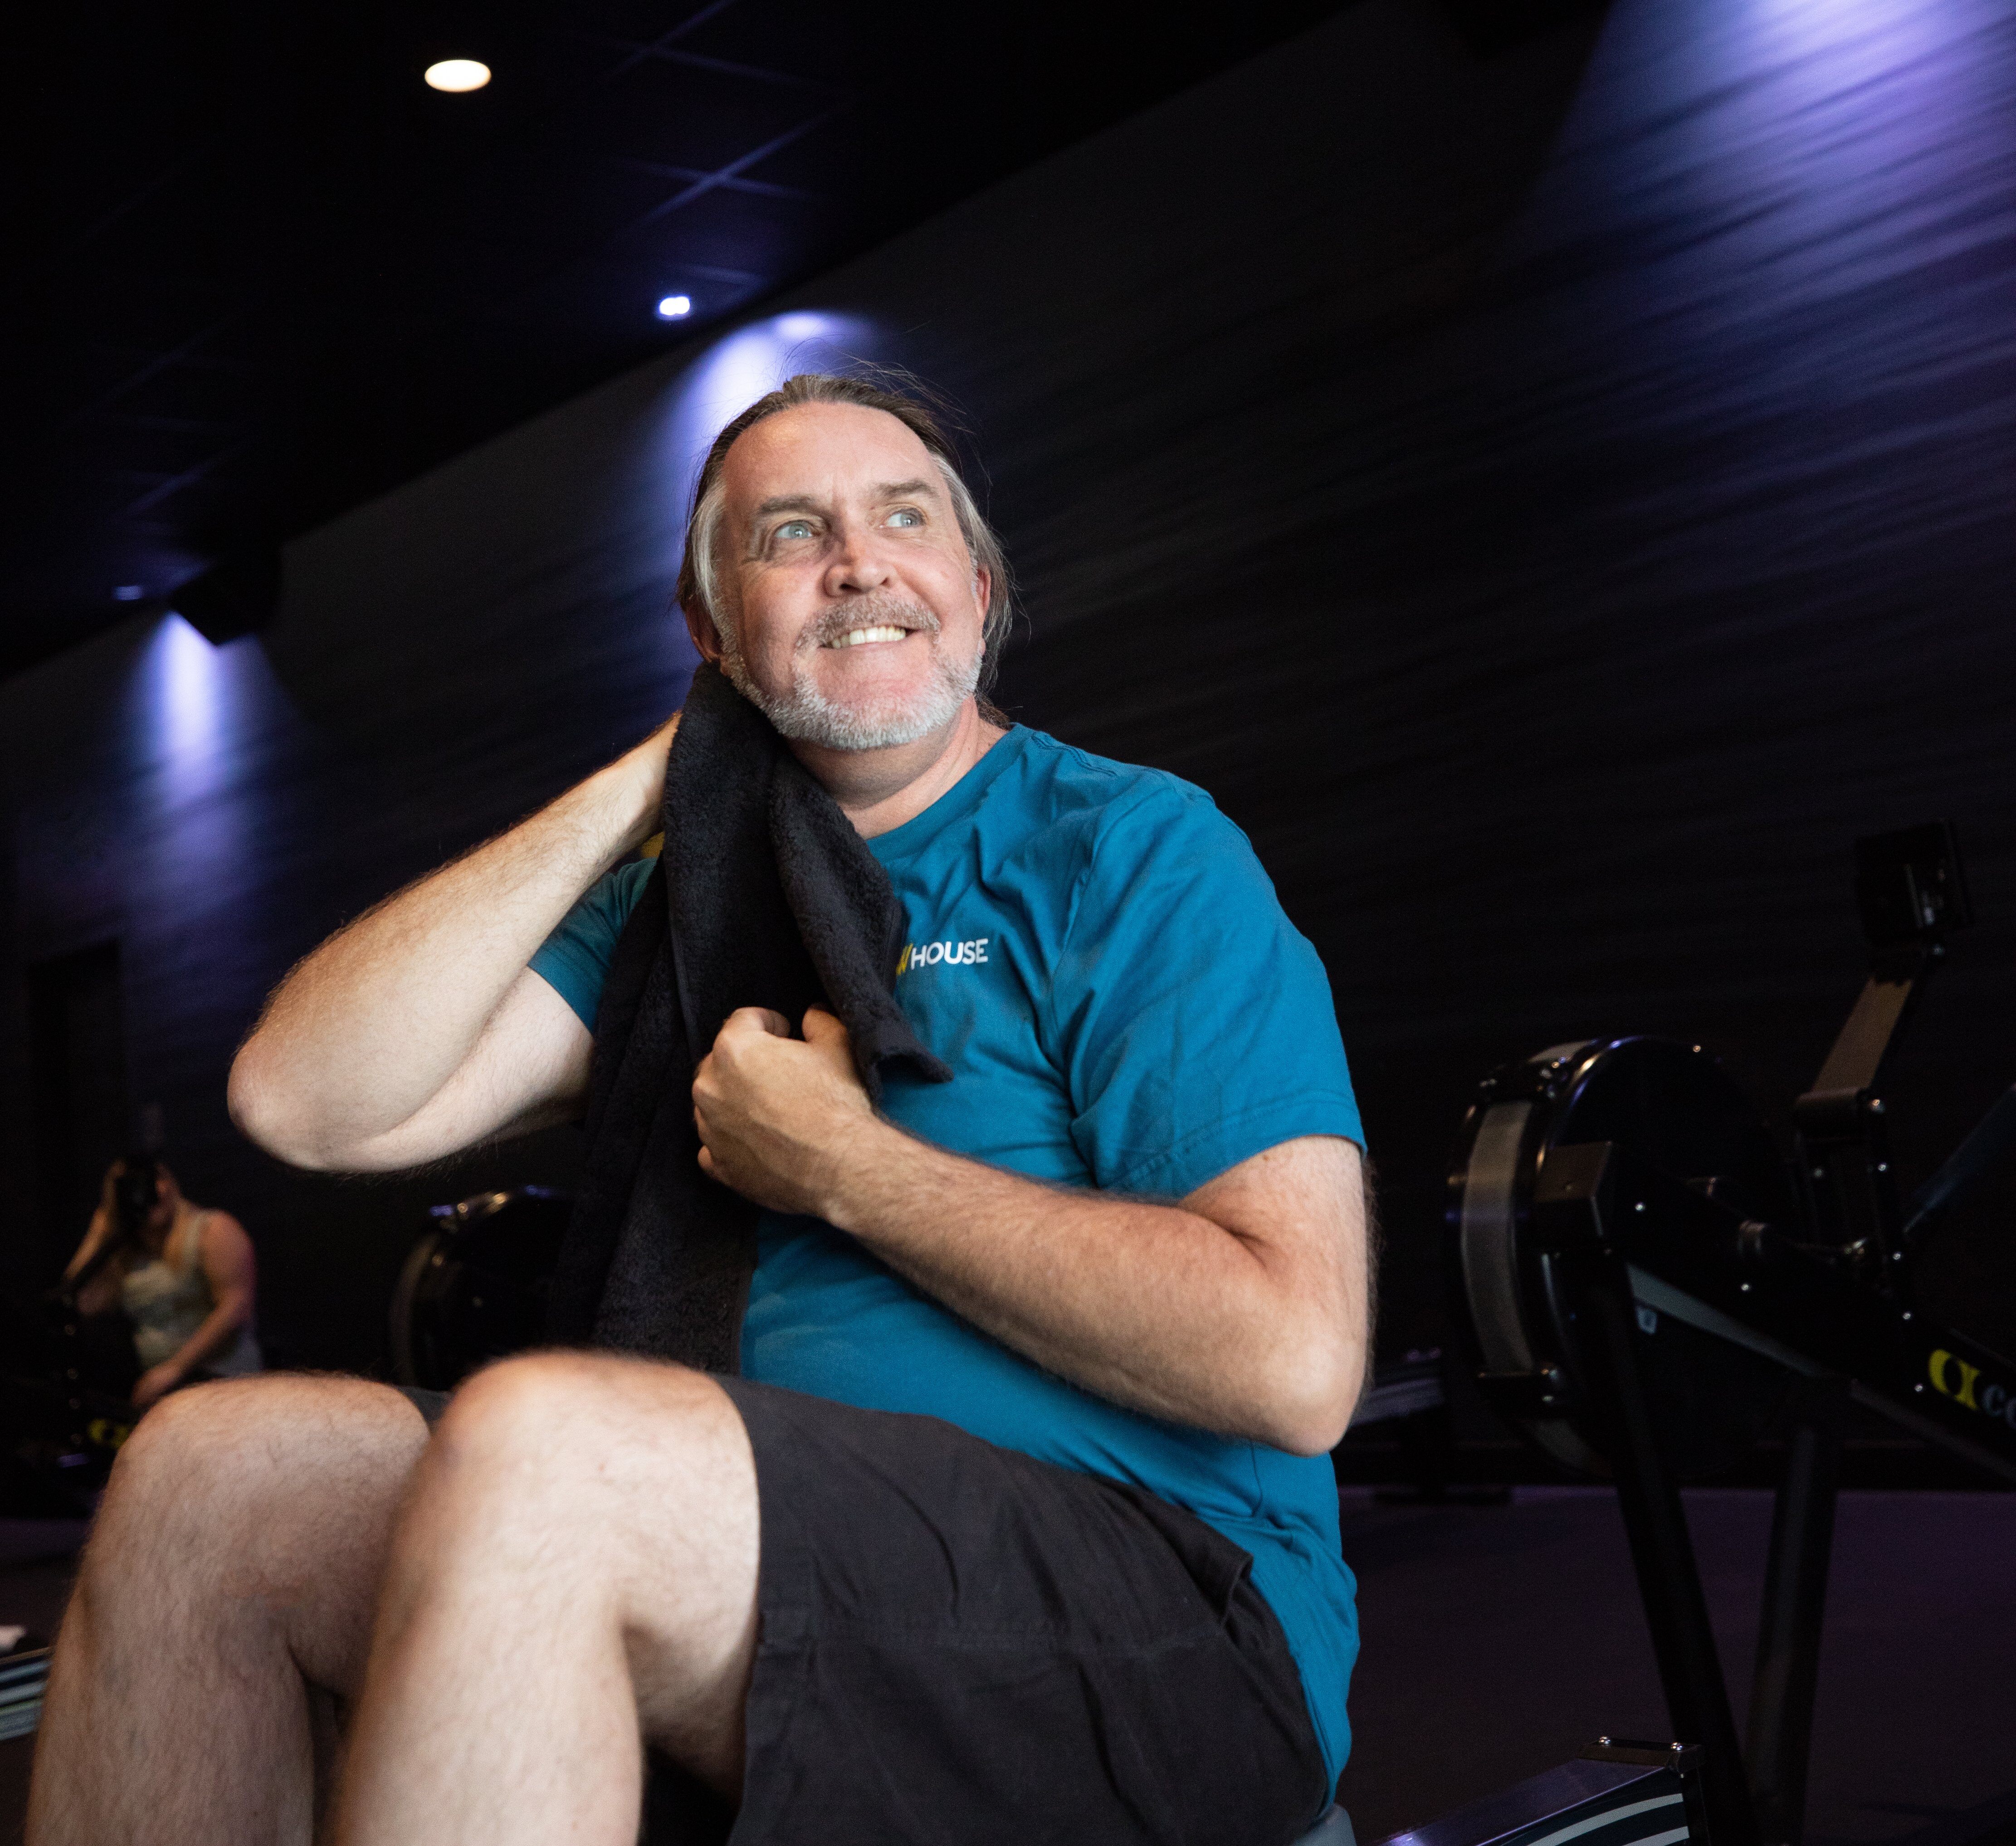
point(857, 562)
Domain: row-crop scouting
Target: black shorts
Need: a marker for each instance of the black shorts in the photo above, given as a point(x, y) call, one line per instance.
point(960, 1645)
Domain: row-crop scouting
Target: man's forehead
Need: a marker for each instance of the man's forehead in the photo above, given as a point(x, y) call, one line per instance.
point(811, 448)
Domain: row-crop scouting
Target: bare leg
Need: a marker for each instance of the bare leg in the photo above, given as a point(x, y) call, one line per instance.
point(577, 1564)
point(235, 1562)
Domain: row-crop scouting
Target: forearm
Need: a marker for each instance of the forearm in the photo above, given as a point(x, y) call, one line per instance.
point(1153, 1306)
point(372, 1025)
point(99, 1293)
point(93, 1240)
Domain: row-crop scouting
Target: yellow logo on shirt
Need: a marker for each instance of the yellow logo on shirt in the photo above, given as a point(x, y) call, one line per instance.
point(930, 954)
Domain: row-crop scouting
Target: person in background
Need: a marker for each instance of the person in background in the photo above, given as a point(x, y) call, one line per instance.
point(183, 1274)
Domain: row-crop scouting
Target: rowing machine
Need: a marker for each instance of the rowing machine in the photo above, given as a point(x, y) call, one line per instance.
point(1647, 1286)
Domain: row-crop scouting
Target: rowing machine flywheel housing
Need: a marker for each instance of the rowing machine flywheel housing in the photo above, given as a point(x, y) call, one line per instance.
point(1676, 1108)
point(474, 1286)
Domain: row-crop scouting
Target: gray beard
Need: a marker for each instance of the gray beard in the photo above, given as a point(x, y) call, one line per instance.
point(805, 715)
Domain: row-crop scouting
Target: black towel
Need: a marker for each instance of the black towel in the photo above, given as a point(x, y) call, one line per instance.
point(764, 895)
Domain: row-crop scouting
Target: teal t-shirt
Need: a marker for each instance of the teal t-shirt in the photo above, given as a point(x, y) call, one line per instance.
point(1097, 953)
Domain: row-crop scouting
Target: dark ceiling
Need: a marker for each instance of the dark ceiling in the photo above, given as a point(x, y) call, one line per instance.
point(256, 270)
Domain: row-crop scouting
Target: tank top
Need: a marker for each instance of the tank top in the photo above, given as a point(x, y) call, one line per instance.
point(168, 1297)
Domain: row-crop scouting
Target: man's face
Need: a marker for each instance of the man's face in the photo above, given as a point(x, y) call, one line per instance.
point(851, 614)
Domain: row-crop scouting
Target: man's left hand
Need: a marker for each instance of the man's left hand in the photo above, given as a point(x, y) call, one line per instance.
point(779, 1116)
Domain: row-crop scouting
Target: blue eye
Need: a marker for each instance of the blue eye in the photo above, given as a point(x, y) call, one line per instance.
point(906, 516)
point(795, 528)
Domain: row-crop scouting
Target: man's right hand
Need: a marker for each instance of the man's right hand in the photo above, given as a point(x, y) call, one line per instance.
point(419, 1030)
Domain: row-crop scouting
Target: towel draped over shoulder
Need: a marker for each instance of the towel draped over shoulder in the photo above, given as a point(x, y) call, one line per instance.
point(764, 895)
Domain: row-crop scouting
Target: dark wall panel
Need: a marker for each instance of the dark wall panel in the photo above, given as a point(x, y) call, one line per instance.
point(1553, 501)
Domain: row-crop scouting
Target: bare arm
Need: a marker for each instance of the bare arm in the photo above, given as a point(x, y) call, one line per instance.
point(418, 1030)
point(1242, 1310)
point(101, 1291)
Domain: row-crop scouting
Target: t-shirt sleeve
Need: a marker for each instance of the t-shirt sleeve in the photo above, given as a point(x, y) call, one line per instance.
point(1193, 1021)
point(574, 960)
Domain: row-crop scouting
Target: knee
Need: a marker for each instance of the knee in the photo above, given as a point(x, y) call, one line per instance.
point(551, 1425)
point(190, 1450)
point(221, 1457)
point(519, 1409)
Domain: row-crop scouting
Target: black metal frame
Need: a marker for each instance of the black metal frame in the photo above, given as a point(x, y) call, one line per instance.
point(1749, 1797)
point(1587, 1214)
point(1828, 1298)
point(1788, 1638)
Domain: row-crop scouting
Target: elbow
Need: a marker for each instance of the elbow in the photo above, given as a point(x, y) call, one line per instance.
point(1312, 1397)
point(1310, 1433)
point(263, 1113)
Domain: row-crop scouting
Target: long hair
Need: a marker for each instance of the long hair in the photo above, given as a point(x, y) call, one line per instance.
point(699, 584)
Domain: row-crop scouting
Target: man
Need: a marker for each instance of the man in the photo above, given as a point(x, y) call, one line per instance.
point(1123, 1252)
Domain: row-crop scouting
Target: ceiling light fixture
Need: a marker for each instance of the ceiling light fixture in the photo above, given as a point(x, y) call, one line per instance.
point(457, 75)
point(127, 592)
point(672, 307)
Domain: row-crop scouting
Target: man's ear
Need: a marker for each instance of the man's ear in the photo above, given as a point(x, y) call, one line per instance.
point(983, 588)
point(706, 636)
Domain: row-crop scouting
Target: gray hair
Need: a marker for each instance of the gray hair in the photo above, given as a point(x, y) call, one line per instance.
point(699, 580)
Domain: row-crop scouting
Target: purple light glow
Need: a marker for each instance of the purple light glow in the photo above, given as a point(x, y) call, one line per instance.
point(1804, 116)
point(734, 372)
point(188, 687)
point(200, 713)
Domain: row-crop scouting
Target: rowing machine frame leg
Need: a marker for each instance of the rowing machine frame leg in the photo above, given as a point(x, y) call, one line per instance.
point(1788, 1637)
point(1663, 1555)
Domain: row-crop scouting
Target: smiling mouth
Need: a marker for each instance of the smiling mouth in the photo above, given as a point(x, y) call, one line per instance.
point(861, 637)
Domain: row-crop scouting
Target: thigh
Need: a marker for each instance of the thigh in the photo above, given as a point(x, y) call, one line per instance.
point(957, 1641)
point(268, 1501)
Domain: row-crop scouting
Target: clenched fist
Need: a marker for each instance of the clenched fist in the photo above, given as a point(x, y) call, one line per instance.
point(779, 1116)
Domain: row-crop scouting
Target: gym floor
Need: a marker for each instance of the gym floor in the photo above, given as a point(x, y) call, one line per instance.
point(1499, 1640)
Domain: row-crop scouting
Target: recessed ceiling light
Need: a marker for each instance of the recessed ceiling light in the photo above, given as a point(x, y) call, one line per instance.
point(674, 307)
point(127, 592)
point(457, 74)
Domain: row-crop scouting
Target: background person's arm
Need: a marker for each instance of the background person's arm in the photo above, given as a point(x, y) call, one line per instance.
point(1242, 1310)
point(418, 1030)
point(101, 1292)
point(230, 1269)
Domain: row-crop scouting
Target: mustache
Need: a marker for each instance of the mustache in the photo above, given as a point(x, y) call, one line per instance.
point(870, 612)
